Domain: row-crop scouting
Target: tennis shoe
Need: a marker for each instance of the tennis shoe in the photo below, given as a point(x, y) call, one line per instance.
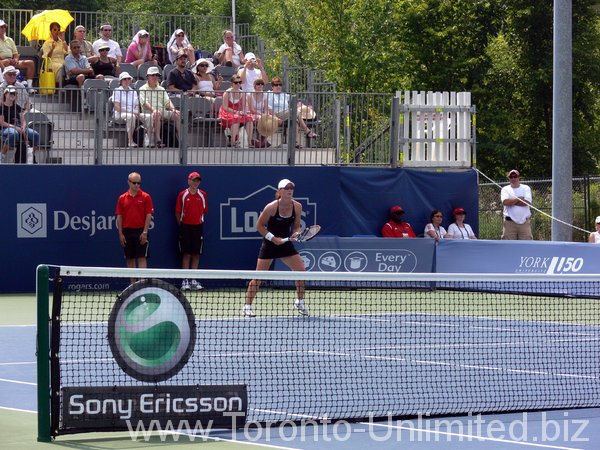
point(299, 305)
point(248, 311)
point(196, 286)
point(185, 285)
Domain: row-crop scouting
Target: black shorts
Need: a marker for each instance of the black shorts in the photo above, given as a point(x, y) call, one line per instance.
point(191, 239)
point(133, 248)
point(268, 250)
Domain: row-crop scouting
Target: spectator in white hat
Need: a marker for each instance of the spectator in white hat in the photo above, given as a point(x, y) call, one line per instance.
point(127, 106)
point(156, 102)
point(251, 71)
point(594, 237)
point(10, 80)
point(9, 56)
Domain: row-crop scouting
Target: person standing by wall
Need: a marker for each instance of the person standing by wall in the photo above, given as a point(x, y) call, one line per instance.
point(134, 214)
point(516, 198)
point(191, 206)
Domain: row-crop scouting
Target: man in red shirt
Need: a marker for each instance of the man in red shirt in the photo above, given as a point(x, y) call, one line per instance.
point(191, 206)
point(396, 227)
point(134, 214)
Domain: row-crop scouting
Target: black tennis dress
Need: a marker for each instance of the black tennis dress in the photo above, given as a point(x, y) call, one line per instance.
point(281, 227)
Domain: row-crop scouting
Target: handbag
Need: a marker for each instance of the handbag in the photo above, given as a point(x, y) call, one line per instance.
point(47, 80)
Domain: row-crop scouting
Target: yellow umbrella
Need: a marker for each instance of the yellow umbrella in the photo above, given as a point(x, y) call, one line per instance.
point(38, 27)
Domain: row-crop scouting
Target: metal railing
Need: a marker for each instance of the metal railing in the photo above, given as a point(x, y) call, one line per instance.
point(205, 32)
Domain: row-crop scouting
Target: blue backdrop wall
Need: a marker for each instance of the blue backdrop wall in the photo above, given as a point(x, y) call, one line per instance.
point(65, 214)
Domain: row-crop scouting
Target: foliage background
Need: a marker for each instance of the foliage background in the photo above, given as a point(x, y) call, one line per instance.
point(500, 50)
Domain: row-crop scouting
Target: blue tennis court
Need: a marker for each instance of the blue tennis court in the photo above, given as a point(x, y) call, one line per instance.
point(343, 375)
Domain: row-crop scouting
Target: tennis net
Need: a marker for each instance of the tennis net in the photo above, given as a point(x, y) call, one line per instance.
point(114, 350)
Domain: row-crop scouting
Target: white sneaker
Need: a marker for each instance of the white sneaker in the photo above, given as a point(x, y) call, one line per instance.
point(248, 311)
point(3, 158)
point(299, 305)
point(185, 285)
point(196, 286)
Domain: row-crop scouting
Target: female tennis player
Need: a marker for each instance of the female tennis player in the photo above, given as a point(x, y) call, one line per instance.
point(279, 219)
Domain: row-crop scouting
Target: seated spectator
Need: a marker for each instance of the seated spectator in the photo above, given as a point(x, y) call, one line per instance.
point(9, 56)
point(434, 229)
point(594, 237)
point(181, 80)
point(10, 79)
point(127, 105)
point(14, 127)
point(114, 49)
point(234, 112)
point(459, 229)
point(230, 53)
point(140, 50)
point(87, 48)
point(251, 71)
point(55, 48)
point(178, 42)
point(258, 105)
point(396, 227)
point(207, 84)
point(155, 100)
point(279, 105)
point(77, 66)
point(105, 66)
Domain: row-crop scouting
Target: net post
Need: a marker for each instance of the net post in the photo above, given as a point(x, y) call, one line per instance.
point(43, 352)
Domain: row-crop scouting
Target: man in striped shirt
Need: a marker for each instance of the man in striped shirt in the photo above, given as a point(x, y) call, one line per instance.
point(191, 206)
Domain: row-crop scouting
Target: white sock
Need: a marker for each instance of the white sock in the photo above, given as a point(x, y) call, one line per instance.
point(30, 83)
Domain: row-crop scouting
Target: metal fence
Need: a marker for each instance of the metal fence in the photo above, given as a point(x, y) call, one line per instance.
point(586, 206)
point(205, 32)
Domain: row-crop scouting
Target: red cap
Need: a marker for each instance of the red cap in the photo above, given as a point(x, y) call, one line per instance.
point(193, 175)
point(514, 171)
point(457, 211)
point(396, 209)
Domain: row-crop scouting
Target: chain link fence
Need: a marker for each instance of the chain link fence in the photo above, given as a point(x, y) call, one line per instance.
point(586, 206)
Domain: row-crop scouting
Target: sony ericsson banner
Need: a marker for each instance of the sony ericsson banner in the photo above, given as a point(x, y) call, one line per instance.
point(124, 407)
point(335, 254)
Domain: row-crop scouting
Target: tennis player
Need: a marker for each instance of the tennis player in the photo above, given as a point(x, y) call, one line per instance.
point(278, 220)
point(191, 206)
point(134, 214)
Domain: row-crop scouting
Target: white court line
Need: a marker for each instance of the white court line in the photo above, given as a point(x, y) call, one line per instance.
point(6, 408)
point(286, 413)
point(16, 326)
point(6, 380)
point(235, 441)
point(17, 363)
point(470, 436)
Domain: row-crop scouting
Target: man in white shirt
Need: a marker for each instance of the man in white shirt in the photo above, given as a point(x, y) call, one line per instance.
point(516, 199)
point(252, 70)
point(105, 38)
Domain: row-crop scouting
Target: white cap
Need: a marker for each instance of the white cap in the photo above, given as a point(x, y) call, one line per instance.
point(9, 69)
point(283, 183)
point(250, 56)
point(598, 219)
point(125, 75)
point(2, 23)
point(153, 71)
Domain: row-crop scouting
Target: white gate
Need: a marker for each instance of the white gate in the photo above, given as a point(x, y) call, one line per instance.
point(436, 129)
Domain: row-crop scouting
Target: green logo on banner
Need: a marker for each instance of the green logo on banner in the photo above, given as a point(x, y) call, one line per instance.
point(151, 331)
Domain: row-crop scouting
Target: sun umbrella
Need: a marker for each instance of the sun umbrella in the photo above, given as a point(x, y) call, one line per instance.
point(38, 27)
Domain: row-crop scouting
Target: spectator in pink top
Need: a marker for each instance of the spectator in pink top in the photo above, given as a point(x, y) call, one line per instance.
point(140, 50)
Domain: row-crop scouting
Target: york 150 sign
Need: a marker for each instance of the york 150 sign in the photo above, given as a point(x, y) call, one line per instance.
point(550, 264)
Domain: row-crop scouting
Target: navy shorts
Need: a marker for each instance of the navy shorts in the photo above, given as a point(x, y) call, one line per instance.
point(191, 239)
point(133, 248)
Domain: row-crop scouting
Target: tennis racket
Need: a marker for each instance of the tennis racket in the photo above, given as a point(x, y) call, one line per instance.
point(306, 235)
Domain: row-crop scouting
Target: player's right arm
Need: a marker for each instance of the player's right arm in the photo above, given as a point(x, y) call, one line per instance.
point(263, 220)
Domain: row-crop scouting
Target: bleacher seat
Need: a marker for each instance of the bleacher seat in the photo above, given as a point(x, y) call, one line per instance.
point(39, 122)
point(226, 72)
point(130, 69)
point(114, 83)
point(138, 84)
point(167, 69)
point(91, 88)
